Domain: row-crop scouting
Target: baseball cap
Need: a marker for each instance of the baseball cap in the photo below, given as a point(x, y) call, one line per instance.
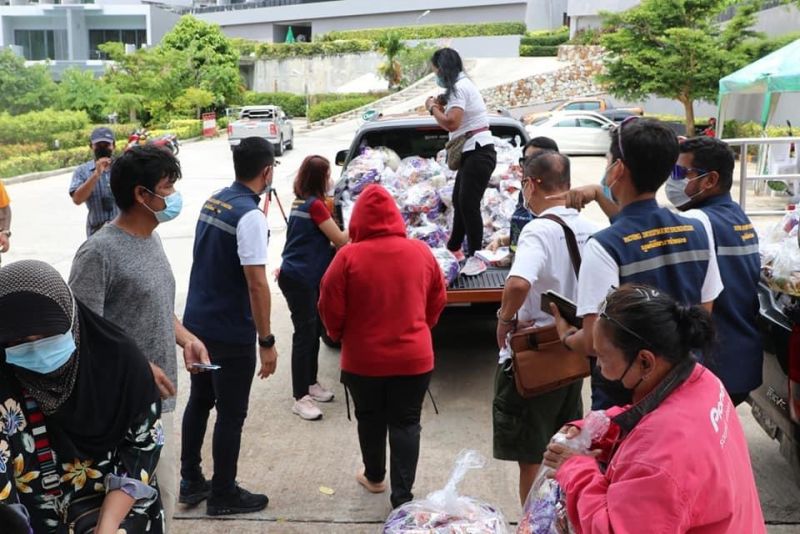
point(102, 134)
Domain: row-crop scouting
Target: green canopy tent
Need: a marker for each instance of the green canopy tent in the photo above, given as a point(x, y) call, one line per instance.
point(765, 82)
point(289, 36)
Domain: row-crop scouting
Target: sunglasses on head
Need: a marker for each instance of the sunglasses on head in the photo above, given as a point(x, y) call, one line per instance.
point(619, 134)
point(646, 294)
point(679, 172)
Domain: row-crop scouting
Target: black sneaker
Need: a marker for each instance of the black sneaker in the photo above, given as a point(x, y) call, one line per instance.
point(239, 502)
point(193, 492)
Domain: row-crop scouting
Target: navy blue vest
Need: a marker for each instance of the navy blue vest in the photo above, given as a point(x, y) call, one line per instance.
point(218, 304)
point(519, 219)
point(657, 247)
point(307, 252)
point(739, 358)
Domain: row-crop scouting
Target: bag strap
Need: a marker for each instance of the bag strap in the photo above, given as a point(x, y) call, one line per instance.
point(572, 243)
point(51, 480)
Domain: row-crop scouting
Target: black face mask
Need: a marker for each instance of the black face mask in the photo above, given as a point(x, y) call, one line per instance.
point(618, 381)
point(103, 152)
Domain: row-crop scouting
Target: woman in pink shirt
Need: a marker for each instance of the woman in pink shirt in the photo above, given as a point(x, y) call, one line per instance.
point(675, 460)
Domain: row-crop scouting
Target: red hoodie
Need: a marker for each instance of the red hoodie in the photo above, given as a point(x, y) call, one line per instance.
point(684, 468)
point(382, 293)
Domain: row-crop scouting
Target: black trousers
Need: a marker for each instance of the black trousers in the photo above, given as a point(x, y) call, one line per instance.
point(228, 390)
point(392, 403)
point(476, 169)
point(302, 301)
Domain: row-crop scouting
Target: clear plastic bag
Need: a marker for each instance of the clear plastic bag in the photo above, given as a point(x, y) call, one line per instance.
point(447, 263)
point(545, 510)
point(445, 511)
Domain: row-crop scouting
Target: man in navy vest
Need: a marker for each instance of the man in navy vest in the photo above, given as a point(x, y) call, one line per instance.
point(229, 305)
point(700, 186)
point(645, 244)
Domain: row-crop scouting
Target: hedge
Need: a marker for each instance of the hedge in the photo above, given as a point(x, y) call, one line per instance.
point(183, 128)
point(45, 161)
point(433, 31)
point(546, 37)
point(40, 126)
point(295, 105)
point(324, 110)
point(316, 48)
point(537, 51)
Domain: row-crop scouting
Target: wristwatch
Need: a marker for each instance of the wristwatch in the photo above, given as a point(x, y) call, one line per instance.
point(266, 342)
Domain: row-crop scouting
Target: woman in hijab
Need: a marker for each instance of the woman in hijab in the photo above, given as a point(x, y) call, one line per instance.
point(80, 433)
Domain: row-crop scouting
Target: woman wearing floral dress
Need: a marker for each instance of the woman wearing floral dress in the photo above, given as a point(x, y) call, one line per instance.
point(78, 385)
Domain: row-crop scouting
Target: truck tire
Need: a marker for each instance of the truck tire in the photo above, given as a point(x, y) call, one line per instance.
point(290, 144)
point(279, 147)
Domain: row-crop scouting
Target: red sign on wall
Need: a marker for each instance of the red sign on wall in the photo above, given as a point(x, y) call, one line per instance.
point(209, 124)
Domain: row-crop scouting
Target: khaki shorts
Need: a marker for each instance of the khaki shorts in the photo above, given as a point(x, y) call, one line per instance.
point(523, 427)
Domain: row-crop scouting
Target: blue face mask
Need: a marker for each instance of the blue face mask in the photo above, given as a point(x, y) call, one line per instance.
point(609, 194)
point(174, 204)
point(440, 82)
point(43, 356)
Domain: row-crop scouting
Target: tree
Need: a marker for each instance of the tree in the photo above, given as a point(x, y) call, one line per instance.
point(24, 88)
point(80, 90)
point(390, 46)
point(674, 49)
point(415, 62)
point(193, 100)
point(129, 103)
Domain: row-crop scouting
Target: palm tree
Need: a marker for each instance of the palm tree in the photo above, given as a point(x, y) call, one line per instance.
point(390, 45)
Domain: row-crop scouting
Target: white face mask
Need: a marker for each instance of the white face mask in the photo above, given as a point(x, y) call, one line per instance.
point(676, 190)
point(525, 203)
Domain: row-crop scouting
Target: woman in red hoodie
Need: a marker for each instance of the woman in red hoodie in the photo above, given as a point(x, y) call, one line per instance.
point(381, 296)
point(676, 460)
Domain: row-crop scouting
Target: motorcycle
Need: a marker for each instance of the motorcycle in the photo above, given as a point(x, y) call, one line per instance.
point(141, 136)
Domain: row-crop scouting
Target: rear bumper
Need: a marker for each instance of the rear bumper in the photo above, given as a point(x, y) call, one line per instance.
point(484, 288)
point(234, 141)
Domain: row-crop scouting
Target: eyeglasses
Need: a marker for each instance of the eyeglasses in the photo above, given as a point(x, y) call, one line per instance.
point(619, 134)
point(679, 172)
point(646, 294)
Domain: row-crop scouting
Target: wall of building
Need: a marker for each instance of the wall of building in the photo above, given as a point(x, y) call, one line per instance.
point(583, 14)
point(159, 22)
point(323, 74)
point(778, 20)
point(545, 14)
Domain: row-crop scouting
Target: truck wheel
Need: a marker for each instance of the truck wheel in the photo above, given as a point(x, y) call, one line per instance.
point(279, 147)
point(290, 144)
point(328, 341)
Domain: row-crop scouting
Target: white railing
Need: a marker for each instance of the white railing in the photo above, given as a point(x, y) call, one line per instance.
point(761, 166)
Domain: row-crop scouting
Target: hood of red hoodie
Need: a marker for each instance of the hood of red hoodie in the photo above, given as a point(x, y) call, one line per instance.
point(376, 215)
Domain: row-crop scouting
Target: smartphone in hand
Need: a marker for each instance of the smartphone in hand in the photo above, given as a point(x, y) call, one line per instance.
point(567, 308)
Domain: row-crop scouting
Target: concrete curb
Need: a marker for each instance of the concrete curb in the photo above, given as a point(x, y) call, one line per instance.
point(32, 176)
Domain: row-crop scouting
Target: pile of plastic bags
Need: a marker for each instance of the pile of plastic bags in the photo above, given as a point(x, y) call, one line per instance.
point(780, 254)
point(423, 190)
point(447, 512)
point(545, 510)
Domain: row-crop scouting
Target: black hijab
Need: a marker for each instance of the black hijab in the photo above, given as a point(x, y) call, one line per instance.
point(106, 384)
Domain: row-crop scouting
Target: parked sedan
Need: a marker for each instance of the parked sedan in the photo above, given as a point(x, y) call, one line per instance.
point(575, 133)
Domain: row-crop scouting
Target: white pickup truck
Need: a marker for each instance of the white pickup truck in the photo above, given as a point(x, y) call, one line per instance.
point(269, 122)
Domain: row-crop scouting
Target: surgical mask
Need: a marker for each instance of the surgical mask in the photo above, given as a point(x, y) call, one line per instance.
point(609, 194)
point(45, 355)
point(618, 382)
point(441, 82)
point(103, 152)
point(174, 204)
point(525, 203)
point(676, 190)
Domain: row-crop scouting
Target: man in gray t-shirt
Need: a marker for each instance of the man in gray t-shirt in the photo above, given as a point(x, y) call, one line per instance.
point(123, 274)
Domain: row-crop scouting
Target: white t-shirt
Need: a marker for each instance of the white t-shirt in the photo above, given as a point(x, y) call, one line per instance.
point(467, 97)
point(599, 272)
point(543, 260)
point(252, 237)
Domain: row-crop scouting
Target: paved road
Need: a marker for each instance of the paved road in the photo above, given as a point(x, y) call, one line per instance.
point(289, 458)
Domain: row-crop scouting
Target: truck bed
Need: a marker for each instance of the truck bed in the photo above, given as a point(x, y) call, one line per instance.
point(486, 287)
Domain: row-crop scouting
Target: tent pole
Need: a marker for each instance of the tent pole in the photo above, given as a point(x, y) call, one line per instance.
point(742, 176)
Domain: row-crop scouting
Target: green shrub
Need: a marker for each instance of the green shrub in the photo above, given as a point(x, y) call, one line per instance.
point(25, 149)
point(324, 110)
point(316, 48)
point(433, 31)
point(294, 105)
point(757, 48)
point(44, 161)
point(546, 37)
point(589, 36)
point(537, 51)
point(40, 126)
point(183, 128)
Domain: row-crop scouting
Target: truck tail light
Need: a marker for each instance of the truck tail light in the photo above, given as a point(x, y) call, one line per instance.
point(230, 129)
point(794, 373)
point(273, 130)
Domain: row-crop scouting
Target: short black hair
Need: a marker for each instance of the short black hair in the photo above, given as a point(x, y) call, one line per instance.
point(251, 156)
point(541, 142)
point(141, 166)
point(711, 154)
point(551, 170)
point(649, 151)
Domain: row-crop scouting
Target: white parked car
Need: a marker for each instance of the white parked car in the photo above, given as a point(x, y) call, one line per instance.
point(575, 132)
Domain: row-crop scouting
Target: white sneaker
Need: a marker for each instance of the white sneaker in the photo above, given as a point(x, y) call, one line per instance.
point(306, 409)
point(319, 393)
point(473, 267)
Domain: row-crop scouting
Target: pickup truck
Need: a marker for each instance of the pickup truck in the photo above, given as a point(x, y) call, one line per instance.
point(269, 122)
point(419, 135)
point(597, 105)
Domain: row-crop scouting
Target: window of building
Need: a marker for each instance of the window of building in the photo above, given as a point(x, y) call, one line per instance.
point(98, 37)
point(42, 44)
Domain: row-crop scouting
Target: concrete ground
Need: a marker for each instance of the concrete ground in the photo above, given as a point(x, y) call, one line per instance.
point(290, 459)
